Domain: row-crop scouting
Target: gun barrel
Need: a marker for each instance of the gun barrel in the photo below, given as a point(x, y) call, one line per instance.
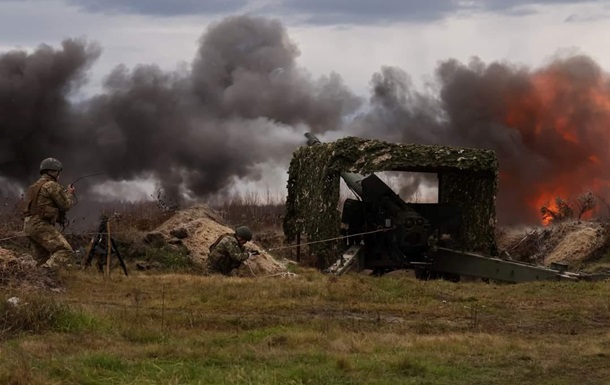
point(311, 139)
point(352, 180)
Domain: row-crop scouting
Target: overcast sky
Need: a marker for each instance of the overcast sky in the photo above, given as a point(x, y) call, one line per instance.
point(353, 38)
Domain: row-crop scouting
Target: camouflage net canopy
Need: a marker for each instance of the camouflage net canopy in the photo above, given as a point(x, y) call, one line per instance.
point(467, 178)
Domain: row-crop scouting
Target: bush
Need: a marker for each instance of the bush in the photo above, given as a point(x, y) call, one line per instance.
point(37, 314)
point(171, 257)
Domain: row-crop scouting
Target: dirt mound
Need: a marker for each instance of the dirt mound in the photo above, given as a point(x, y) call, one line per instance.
point(21, 272)
point(574, 243)
point(198, 227)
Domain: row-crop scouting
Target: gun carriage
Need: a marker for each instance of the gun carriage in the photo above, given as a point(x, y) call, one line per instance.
point(380, 231)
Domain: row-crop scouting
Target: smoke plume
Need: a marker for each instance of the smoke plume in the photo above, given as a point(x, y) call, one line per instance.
point(244, 102)
point(195, 131)
point(35, 115)
point(548, 126)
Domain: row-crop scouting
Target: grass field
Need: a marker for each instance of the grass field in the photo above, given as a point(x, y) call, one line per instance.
point(309, 329)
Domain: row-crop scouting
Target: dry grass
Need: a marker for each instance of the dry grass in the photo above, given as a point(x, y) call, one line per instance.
point(261, 213)
point(10, 215)
point(25, 276)
point(179, 328)
point(151, 328)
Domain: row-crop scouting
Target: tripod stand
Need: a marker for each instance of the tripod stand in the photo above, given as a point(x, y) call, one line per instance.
point(102, 244)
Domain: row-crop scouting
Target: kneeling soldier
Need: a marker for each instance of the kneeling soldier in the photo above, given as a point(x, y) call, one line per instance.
point(46, 203)
point(228, 253)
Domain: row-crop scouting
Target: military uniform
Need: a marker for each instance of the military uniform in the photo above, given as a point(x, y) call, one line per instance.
point(226, 255)
point(46, 202)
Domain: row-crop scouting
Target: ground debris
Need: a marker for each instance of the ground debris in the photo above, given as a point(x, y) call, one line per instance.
point(20, 271)
point(203, 226)
point(575, 243)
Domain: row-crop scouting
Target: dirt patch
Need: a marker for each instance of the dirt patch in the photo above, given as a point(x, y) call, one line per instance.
point(199, 226)
point(576, 243)
point(20, 271)
point(6, 255)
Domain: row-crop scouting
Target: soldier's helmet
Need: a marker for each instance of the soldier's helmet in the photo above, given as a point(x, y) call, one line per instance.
point(50, 164)
point(244, 232)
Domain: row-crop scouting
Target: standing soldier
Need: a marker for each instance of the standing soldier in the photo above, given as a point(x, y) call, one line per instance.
point(228, 252)
point(46, 203)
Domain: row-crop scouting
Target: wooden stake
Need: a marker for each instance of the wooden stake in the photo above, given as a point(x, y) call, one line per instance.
point(108, 248)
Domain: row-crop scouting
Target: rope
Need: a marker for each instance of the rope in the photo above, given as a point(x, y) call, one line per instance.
point(266, 250)
point(13, 237)
point(83, 177)
point(329, 239)
point(77, 234)
point(86, 176)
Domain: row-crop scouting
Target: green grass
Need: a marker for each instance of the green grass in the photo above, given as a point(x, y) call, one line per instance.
point(314, 329)
point(169, 257)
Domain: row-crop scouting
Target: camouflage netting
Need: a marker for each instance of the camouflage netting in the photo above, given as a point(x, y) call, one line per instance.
point(467, 178)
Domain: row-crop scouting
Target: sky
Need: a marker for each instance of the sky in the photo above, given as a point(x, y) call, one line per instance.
point(346, 41)
point(351, 37)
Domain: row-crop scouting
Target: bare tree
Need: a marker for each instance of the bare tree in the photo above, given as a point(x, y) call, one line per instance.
point(585, 203)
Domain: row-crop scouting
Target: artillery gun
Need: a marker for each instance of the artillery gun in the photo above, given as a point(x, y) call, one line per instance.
point(382, 232)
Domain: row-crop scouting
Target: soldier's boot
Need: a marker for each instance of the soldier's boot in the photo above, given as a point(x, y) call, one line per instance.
point(58, 259)
point(39, 253)
point(51, 272)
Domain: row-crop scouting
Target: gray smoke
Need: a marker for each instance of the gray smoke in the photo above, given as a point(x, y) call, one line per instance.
point(194, 130)
point(244, 102)
point(245, 68)
point(35, 115)
point(547, 126)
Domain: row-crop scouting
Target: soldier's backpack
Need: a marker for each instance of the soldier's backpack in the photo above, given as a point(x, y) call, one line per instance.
point(217, 241)
point(30, 204)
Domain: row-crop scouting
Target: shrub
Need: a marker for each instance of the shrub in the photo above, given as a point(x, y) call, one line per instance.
point(172, 257)
point(39, 315)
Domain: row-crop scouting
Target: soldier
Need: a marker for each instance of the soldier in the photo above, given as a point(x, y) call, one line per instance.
point(46, 203)
point(228, 252)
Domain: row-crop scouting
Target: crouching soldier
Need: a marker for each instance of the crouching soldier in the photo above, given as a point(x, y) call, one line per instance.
point(228, 253)
point(46, 203)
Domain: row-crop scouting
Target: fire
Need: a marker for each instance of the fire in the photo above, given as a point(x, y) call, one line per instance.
point(563, 118)
point(547, 217)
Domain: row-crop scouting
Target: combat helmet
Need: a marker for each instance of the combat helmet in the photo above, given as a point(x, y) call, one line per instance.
point(50, 164)
point(244, 232)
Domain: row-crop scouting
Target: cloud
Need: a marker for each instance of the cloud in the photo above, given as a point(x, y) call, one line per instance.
point(161, 7)
point(325, 12)
point(588, 17)
point(365, 11)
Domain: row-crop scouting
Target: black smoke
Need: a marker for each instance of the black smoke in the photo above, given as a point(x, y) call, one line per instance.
point(195, 131)
point(35, 114)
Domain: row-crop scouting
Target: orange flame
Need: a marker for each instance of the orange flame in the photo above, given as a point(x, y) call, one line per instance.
point(565, 119)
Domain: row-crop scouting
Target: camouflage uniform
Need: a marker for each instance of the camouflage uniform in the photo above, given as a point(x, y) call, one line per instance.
point(46, 202)
point(226, 255)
